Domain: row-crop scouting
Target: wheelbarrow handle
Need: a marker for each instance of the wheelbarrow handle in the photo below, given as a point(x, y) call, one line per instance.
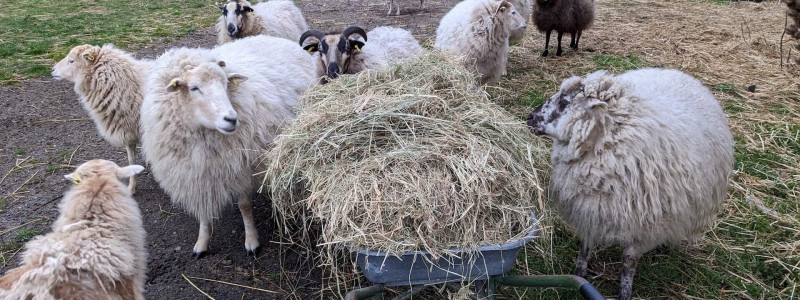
point(587, 290)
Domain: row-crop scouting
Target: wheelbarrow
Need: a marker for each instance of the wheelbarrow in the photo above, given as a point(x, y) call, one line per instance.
point(485, 266)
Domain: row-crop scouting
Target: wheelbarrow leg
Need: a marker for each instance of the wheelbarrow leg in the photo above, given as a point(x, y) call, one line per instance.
point(376, 291)
point(587, 290)
point(415, 289)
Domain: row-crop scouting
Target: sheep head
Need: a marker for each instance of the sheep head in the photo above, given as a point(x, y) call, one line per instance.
point(578, 100)
point(101, 167)
point(79, 58)
point(234, 12)
point(338, 59)
point(204, 90)
point(506, 10)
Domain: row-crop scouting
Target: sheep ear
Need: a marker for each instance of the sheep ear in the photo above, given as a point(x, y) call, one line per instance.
point(219, 5)
point(174, 85)
point(597, 103)
point(356, 45)
point(127, 172)
point(73, 177)
point(503, 6)
point(236, 78)
point(88, 55)
point(311, 48)
point(247, 9)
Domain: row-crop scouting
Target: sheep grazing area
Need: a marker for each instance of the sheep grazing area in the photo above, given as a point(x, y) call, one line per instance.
point(735, 48)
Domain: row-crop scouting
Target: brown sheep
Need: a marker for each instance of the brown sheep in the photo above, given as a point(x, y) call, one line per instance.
point(571, 16)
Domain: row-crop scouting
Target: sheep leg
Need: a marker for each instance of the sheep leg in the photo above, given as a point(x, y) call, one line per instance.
point(572, 36)
point(131, 160)
point(250, 231)
point(578, 39)
point(629, 260)
point(546, 43)
point(582, 261)
point(421, 2)
point(391, 2)
point(201, 246)
point(558, 51)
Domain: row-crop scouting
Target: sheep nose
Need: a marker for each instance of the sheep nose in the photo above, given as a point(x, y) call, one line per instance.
point(231, 120)
point(333, 70)
point(231, 28)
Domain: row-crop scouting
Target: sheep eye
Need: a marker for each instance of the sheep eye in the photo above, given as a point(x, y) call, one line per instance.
point(195, 89)
point(71, 61)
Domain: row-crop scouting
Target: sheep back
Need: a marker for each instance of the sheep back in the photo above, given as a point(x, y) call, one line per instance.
point(659, 167)
point(387, 44)
point(96, 249)
point(202, 169)
point(563, 15)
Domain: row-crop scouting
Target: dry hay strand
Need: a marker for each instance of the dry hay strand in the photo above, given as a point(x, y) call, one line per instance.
point(411, 157)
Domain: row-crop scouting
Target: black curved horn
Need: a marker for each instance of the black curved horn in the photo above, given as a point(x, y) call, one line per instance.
point(315, 33)
point(354, 30)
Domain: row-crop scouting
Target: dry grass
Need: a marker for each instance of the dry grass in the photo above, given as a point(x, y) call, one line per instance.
point(753, 251)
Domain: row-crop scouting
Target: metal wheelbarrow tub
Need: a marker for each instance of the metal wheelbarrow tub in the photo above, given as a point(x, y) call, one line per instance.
point(457, 265)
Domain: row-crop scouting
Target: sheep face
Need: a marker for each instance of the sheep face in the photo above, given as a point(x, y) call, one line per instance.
point(204, 89)
point(101, 167)
point(516, 20)
point(80, 57)
point(336, 51)
point(234, 12)
point(570, 103)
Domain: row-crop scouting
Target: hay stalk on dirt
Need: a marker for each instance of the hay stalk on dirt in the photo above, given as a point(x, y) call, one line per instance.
point(411, 157)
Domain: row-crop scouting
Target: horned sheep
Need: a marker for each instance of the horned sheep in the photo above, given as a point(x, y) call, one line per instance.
point(109, 83)
point(278, 18)
point(342, 53)
point(97, 247)
point(639, 160)
point(203, 124)
point(572, 16)
point(478, 30)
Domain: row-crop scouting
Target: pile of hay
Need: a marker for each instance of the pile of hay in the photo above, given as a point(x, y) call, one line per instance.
point(411, 157)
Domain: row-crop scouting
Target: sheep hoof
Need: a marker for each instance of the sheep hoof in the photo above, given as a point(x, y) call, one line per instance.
point(573, 47)
point(558, 52)
point(580, 272)
point(544, 54)
point(199, 255)
point(253, 252)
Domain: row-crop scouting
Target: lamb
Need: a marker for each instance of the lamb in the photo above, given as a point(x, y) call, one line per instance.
point(279, 18)
point(109, 83)
point(97, 247)
point(351, 55)
point(571, 16)
point(478, 30)
point(396, 4)
point(241, 94)
point(524, 9)
point(639, 160)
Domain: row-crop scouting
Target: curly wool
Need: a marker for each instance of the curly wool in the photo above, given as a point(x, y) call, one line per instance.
point(652, 168)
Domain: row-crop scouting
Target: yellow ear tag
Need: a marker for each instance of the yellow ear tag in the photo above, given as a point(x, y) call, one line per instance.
point(310, 49)
point(235, 82)
point(174, 84)
point(357, 48)
point(90, 58)
point(77, 179)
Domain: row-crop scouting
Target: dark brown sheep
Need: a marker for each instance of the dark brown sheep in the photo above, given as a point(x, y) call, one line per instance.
point(794, 15)
point(571, 16)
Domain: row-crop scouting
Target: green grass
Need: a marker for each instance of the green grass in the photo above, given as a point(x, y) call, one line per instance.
point(3, 203)
point(617, 63)
point(20, 152)
point(532, 99)
point(25, 235)
point(35, 34)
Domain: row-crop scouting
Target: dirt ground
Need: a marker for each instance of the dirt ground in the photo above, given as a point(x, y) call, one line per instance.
point(46, 133)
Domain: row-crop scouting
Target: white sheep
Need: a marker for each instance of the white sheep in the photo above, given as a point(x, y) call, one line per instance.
point(523, 9)
point(396, 4)
point(278, 18)
point(478, 30)
point(109, 83)
point(639, 160)
point(97, 247)
point(204, 153)
point(345, 54)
